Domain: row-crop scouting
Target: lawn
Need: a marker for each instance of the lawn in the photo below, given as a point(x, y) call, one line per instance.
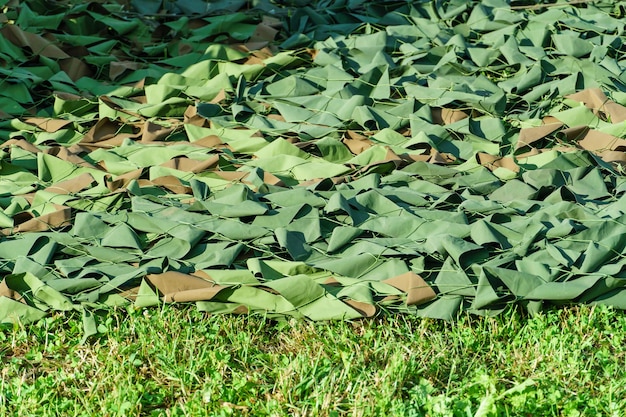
point(179, 362)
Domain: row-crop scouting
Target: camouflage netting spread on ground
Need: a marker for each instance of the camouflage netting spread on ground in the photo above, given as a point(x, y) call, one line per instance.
point(325, 161)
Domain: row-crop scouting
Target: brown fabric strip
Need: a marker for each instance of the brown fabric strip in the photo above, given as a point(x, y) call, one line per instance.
point(597, 141)
point(22, 143)
point(179, 287)
point(152, 132)
point(105, 130)
point(171, 183)
point(598, 102)
point(37, 44)
point(365, 309)
point(73, 185)
point(47, 124)
point(418, 291)
point(5, 291)
point(530, 135)
point(443, 116)
point(59, 218)
point(492, 162)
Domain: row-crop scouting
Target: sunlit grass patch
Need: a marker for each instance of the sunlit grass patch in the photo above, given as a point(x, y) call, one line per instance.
point(177, 362)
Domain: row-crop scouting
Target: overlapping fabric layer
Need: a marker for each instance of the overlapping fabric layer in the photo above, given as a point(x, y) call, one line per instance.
point(325, 161)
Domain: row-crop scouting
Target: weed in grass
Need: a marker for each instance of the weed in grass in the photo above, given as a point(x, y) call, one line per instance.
point(179, 362)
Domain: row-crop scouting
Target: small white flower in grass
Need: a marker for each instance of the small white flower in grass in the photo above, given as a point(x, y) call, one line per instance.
point(206, 397)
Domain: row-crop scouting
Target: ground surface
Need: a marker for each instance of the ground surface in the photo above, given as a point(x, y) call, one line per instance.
point(179, 362)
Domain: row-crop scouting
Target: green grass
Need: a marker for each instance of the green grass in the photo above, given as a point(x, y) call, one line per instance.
point(179, 362)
